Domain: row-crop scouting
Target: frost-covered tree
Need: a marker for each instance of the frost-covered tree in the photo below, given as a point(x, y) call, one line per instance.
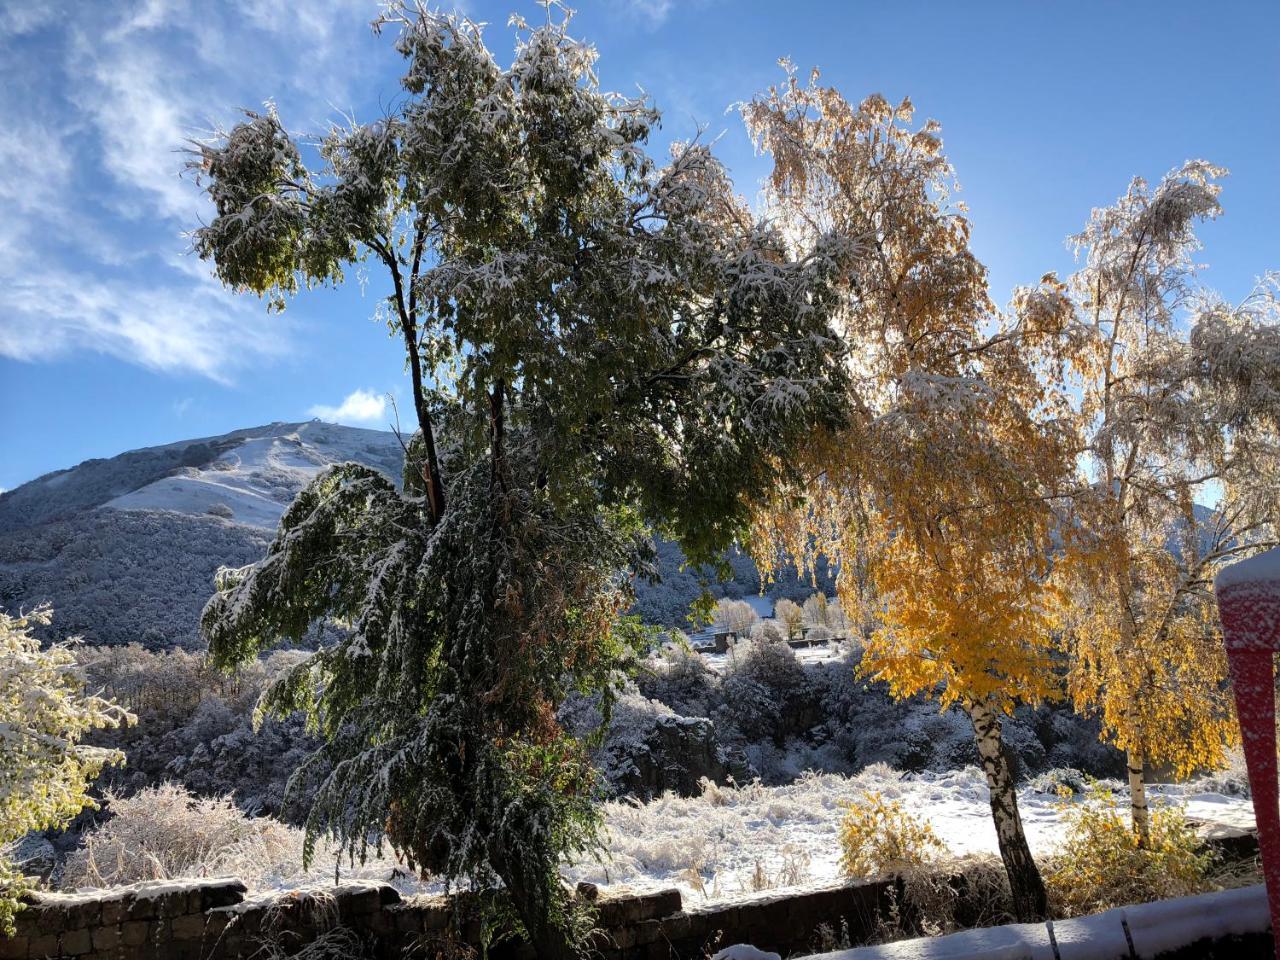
point(768, 631)
point(593, 341)
point(736, 615)
point(790, 615)
point(45, 769)
point(1179, 406)
point(817, 611)
point(936, 492)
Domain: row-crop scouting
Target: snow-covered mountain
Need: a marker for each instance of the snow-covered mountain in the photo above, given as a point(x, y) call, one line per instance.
point(126, 548)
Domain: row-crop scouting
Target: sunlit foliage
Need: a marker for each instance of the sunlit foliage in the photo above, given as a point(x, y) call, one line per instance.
point(594, 341)
point(936, 496)
point(1179, 409)
point(45, 769)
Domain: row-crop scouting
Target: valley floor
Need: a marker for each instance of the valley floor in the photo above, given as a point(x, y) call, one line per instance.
point(731, 842)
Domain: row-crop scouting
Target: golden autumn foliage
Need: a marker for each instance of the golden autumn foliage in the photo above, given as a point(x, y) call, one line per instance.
point(1178, 406)
point(936, 497)
point(1102, 864)
point(879, 836)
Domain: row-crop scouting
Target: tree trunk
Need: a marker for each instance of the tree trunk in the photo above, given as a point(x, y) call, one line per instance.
point(1138, 795)
point(546, 937)
point(1030, 902)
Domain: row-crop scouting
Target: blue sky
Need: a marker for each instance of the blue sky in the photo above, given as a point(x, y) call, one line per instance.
point(112, 337)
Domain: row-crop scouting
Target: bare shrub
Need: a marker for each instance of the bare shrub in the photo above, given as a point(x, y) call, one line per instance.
point(164, 832)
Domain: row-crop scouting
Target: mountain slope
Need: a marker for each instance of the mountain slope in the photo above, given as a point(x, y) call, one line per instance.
point(126, 548)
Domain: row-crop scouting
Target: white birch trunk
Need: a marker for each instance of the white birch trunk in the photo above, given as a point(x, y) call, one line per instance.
point(1030, 902)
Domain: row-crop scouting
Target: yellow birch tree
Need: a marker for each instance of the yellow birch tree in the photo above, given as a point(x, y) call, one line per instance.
point(938, 492)
point(1178, 399)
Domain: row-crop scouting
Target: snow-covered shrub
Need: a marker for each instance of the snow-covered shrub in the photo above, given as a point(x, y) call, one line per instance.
point(768, 631)
point(1100, 863)
point(1231, 781)
point(220, 510)
point(682, 680)
point(46, 767)
point(818, 633)
point(1060, 781)
point(195, 726)
point(749, 709)
point(879, 836)
point(165, 832)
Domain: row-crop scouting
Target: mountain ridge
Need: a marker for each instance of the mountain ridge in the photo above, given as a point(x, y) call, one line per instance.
point(125, 547)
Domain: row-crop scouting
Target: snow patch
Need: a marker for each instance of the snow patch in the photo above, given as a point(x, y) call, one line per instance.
point(1261, 568)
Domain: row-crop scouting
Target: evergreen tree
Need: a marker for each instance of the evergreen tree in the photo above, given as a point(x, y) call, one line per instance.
point(594, 342)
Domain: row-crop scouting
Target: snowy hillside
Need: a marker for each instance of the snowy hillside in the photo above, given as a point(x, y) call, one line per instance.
point(253, 481)
point(126, 548)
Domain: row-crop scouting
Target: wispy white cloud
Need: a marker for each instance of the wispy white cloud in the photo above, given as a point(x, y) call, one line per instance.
point(652, 12)
point(360, 407)
point(182, 328)
point(92, 121)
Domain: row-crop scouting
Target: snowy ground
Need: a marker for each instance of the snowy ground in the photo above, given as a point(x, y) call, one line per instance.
point(731, 842)
point(719, 662)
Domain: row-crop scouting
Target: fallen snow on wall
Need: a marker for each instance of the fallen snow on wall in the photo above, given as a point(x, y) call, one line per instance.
point(1152, 928)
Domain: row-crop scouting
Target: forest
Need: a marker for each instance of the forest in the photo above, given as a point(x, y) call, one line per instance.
point(734, 547)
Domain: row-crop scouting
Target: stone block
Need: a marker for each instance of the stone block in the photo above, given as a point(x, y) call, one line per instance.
point(171, 905)
point(141, 908)
point(37, 920)
point(353, 902)
point(191, 926)
point(75, 943)
point(134, 933)
point(646, 931)
point(43, 947)
point(114, 912)
point(226, 893)
point(678, 927)
point(106, 938)
point(82, 912)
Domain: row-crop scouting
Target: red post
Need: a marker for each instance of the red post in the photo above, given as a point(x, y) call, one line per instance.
point(1249, 605)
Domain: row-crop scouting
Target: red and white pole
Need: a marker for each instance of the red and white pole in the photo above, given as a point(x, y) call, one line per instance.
point(1249, 604)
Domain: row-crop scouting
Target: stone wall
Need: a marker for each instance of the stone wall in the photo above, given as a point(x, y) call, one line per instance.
point(215, 919)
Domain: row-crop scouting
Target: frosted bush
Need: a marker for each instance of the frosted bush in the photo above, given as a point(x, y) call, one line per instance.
point(768, 631)
point(879, 836)
point(164, 832)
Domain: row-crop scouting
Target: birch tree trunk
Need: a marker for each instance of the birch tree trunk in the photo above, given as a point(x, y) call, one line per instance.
point(1135, 762)
point(1030, 902)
